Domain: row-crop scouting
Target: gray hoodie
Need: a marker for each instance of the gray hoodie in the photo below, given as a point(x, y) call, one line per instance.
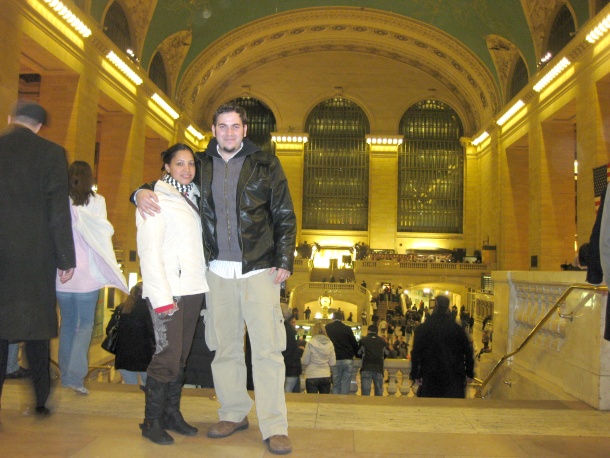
point(319, 355)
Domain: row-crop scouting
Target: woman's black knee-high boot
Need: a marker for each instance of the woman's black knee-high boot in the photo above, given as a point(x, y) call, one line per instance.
point(152, 428)
point(172, 417)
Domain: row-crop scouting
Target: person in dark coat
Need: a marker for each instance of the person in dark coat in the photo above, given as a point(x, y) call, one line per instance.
point(373, 351)
point(292, 357)
point(598, 256)
point(136, 342)
point(346, 347)
point(37, 243)
point(442, 359)
point(198, 370)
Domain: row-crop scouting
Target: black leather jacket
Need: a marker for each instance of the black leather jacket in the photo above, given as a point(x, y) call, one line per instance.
point(266, 220)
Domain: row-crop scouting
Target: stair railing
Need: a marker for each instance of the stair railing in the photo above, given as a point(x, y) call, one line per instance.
point(479, 384)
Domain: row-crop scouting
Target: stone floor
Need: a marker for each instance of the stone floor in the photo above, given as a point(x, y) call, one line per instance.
point(105, 423)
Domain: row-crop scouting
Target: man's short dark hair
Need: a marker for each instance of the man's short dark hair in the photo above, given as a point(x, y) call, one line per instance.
point(442, 302)
point(29, 113)
point(227, 108)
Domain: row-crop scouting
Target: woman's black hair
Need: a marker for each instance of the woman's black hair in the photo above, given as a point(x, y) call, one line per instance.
point(169, 153)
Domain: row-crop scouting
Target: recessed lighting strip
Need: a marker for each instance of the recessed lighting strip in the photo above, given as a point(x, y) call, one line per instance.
point(511, 112)
point(289, 138)
point(552, 74)
point(480, 138)
point(163, 104)
point(64, 12)
point(599, 31)
point(195, 133)
point(124, 68)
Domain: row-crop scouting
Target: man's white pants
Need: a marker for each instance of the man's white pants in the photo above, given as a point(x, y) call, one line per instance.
point(256, 301)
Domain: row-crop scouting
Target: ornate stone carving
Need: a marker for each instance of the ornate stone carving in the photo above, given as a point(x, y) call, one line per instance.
point(174, 49)
point(140, 13)
point(504, 55)
point(538, 14)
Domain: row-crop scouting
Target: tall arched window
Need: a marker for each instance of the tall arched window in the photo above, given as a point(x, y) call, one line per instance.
point(519, 78)
point(336, 176)
point(261, 121)
point(158, 74)
point(431, 170)
point(562, 31)
point(116, 27)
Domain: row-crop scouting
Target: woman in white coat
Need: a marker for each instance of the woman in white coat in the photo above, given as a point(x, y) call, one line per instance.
point(318, 356)
point(96, 267)
point(173, 269)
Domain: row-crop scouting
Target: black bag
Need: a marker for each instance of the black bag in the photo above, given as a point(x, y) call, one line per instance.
point(112, 334)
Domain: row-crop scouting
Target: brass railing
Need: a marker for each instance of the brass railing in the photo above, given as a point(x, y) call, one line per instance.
point(479, 385)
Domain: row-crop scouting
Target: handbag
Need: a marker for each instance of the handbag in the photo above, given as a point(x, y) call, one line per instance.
point(112, 337)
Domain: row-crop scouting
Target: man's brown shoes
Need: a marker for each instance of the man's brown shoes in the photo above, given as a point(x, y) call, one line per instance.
point(279, 445)
point(226, 428)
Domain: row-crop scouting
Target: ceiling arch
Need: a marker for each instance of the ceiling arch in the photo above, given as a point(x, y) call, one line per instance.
point(411, 44)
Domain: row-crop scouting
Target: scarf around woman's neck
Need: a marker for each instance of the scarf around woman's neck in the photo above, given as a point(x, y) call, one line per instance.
point(183, 189)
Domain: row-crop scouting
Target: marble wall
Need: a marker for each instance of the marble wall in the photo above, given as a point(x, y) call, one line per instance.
point(570, 354)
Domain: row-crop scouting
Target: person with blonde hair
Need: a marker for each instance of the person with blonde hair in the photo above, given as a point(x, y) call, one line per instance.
point(319, 356)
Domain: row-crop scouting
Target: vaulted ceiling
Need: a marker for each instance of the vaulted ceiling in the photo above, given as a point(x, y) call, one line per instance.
point(462, 51)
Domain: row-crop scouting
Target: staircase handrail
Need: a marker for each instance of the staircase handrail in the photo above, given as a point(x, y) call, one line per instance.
point(480, 384)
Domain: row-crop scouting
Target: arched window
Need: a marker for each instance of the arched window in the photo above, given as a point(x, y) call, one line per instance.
point(116, 27)
point(562, 31)
point(431, 170)
point(157, 73)
point(519, 78)
point(261, 121)
point(336, 175)
point(600, 4)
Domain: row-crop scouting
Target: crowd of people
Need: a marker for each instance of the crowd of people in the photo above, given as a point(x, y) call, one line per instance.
point(442, 359)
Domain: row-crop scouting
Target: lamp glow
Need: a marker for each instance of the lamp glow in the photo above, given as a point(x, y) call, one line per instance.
point(552, 74)
point(166, 107)
point(195, 133)
point(68, 16)
point(480, 138)
point(124, 68)
point(510, 113)
point(599, 31)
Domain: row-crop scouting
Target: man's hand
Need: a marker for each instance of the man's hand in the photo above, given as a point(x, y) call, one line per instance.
point(65, 275)
point(147, 203)
point(282, 274)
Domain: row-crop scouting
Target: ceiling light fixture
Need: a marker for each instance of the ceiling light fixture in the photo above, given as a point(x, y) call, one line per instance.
point(480, 138)
point(166, 107)
point(64, 12)
point(600, 30)
point(552, 74)
point(511, 112)
point(124, 68)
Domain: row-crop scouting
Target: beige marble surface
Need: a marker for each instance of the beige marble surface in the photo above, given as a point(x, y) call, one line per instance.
point(105, 423)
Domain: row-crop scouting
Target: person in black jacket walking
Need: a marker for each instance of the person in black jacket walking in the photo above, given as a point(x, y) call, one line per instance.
point(442, 359)
point(373, 351)
point(346, 347)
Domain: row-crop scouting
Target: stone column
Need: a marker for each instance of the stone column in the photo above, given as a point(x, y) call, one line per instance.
point(72, 103)
point(10, 32)
point(383, 191)
point(290, 150)
point(120, 173)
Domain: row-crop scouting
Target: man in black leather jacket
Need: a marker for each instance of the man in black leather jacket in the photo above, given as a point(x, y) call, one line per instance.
point(249, 236)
